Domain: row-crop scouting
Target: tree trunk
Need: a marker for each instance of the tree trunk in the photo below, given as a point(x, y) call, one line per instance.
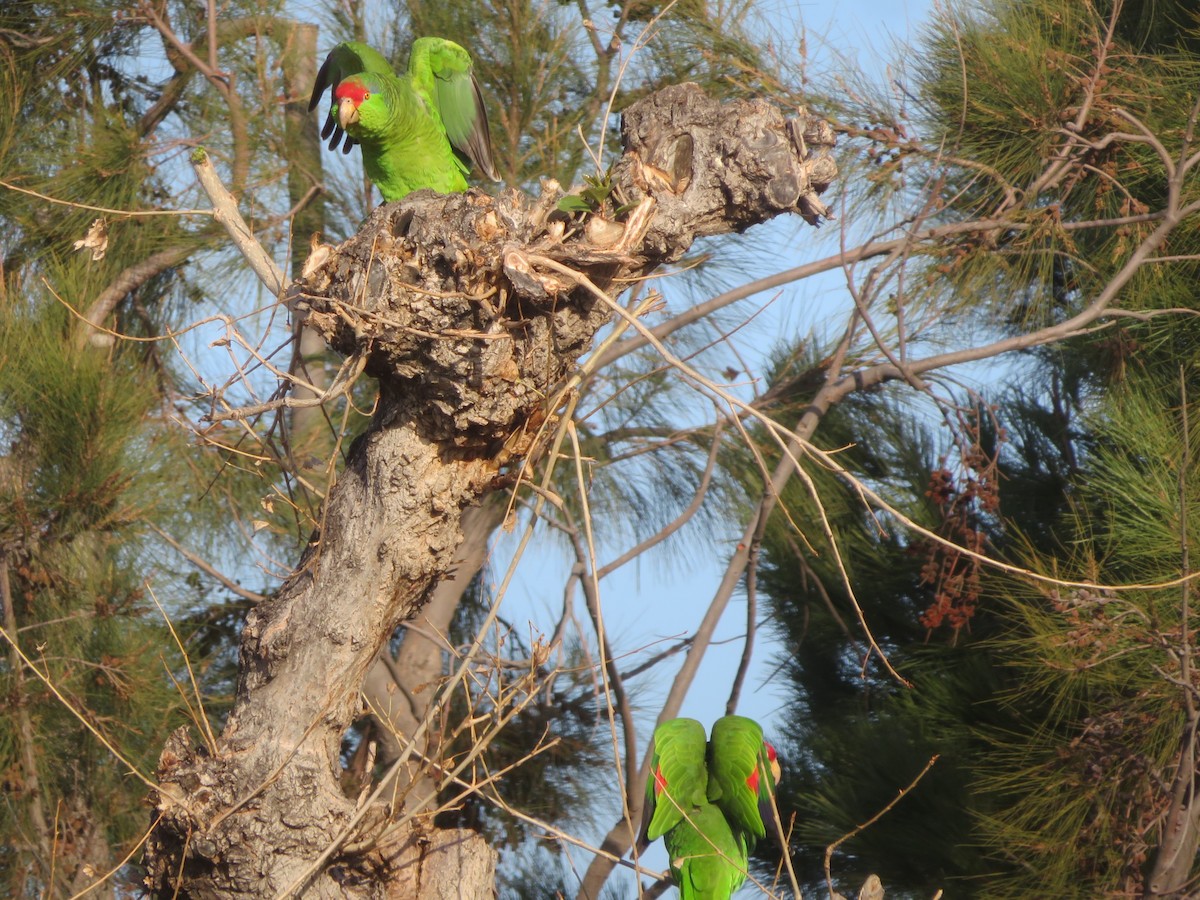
point(398, 691)
point(472, 312)
point(308, 436)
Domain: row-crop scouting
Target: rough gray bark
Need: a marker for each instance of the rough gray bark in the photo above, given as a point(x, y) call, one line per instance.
point(398, 691)
point(443, 864)
point(469, 330)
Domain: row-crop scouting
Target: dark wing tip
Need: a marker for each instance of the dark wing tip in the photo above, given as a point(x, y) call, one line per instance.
point(490, 171)
point(336, 131)
point(481, 140)
point(321, 83)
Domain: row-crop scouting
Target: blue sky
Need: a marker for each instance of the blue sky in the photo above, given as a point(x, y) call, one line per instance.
point(652, 600)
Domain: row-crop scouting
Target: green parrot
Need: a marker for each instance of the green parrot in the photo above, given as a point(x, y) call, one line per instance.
point(704, 797)
point(678, 776)
point(743, 770)
point(411, 127)
point(707, 859)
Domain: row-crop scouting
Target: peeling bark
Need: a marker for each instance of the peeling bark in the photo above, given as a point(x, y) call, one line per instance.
point(471, 336)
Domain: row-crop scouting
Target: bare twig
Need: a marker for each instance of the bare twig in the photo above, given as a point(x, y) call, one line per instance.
point(226, 212)
point(679, 521)
point(1180, 832)
point(70, 707)
point(739, 677)
point(130, 280)
point(207, 568)
point(871, 821)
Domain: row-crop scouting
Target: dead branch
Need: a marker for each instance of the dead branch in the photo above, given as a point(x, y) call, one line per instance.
point(226, 212)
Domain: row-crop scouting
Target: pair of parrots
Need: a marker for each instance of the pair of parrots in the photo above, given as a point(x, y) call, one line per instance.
point(411, 127)
point(710, 801)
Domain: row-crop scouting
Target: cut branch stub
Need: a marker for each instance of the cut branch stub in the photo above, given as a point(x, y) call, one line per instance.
point(720, 167)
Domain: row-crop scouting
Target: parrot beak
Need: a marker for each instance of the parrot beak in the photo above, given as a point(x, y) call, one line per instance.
point(347, 113)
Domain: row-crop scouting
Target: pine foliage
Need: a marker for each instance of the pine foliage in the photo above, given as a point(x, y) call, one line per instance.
point(1061, 714)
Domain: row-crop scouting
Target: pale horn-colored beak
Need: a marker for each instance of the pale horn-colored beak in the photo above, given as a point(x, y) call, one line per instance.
point(347, 113)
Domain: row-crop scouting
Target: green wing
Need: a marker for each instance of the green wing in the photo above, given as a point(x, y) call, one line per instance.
point(736, 780)
point(678, 778)
point(441, 73)
point(707, 858)
point(346, 59)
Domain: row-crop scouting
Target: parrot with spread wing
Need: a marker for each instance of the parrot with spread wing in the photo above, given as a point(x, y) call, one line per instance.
point(414, 129)
point(709, 800)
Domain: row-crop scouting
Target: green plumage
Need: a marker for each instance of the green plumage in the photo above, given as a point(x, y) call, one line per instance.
point(736, 780)
point(411, 128)
point(705, 799)
point(707, 859)
point(678, 778)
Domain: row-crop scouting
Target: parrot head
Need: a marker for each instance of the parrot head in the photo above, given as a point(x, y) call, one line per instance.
point(359, 102)
point(773, 762)
point(771, 758)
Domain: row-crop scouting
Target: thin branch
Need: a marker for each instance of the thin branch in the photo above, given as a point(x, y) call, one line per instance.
point(199, 714)
point(739, 678)
point(112, 873)
point(130, 280)
point(1185, 468)
point(610, 674)
point(120, 213)
point(226, 212)
point(207, 568)
point(871, 821)
point(679, 521)
point(25, 735)
point(70, 707)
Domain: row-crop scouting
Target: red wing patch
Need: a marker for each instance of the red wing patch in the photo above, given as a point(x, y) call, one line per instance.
point(660, 781)
point(752, 781)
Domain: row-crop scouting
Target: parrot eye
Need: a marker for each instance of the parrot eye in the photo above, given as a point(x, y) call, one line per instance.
point(366, 95)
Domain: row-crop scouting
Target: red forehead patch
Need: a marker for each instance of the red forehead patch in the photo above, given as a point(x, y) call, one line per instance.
point(354, 89)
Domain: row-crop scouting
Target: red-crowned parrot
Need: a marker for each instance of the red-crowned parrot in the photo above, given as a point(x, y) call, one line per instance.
point(409, 126)
point(742, 773)
point(704, 799)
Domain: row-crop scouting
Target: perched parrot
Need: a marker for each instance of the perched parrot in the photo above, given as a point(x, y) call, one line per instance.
point(742, 773)
point(678, 776)
point(704, 799)
point(409, 126)
point(707, 859)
